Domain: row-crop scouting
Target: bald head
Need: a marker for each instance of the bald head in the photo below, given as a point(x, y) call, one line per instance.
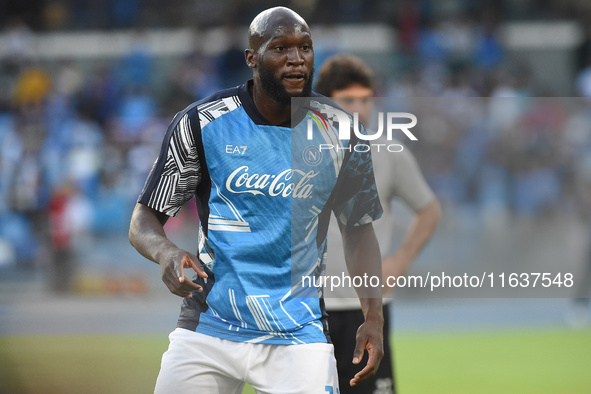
point(281, 56)
point(269, 22)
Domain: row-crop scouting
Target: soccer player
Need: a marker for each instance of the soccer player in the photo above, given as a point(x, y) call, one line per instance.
point(349, 82)
point(264, 195)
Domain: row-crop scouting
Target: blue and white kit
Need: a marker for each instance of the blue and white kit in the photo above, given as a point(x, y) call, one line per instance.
point(264, 194)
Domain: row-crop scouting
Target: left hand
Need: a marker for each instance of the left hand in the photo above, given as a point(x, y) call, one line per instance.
point(370, 337)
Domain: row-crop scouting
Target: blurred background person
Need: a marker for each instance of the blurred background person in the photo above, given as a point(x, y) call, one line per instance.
point(349, 82)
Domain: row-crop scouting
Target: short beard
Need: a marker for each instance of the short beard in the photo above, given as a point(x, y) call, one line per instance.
point(277, 91)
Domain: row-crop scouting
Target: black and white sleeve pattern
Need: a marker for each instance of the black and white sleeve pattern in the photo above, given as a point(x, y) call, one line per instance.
point(176, 173)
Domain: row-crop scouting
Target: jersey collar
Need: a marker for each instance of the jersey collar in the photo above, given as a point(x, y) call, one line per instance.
point(255, 115)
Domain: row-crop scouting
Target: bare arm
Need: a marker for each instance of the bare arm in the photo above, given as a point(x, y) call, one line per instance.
point(417, 235)
point(362, 254)
point(147, 235)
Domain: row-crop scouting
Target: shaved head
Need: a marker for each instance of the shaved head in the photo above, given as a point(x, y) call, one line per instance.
point(281, 56)
point(269, 22)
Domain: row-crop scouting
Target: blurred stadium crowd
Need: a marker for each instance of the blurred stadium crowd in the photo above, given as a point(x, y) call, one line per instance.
point(77, 139)
point(109, 14)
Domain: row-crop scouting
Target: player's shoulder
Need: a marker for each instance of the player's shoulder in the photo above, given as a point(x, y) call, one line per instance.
point(326, 105)
point(229, 93)
point(331, 112)
point(223, 99)
point(215, 105)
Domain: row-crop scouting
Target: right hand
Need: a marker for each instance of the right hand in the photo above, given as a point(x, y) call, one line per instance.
point(174, 277)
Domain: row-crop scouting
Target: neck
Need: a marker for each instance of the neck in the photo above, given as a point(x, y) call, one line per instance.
point(273, 111)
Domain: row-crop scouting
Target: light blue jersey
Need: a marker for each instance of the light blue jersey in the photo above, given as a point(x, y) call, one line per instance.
point(264, 195)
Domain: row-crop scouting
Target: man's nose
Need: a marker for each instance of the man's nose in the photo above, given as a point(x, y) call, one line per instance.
point(294, 57)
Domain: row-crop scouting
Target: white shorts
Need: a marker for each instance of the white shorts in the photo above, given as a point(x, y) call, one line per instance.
point(198, 363)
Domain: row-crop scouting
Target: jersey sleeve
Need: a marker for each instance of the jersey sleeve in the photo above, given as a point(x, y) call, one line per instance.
point(357, 200)
point(176, 174)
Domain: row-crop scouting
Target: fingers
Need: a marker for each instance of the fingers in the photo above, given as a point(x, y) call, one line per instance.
point(357, 356)
point(187, 284)
point(358, 352)
point(175, 287)
point(367, 372)
point(370, 369)
point(188, 262)
point(368, 340)
point(174, 277)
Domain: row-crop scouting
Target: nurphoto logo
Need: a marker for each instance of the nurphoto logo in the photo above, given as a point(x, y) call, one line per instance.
point(392, 124)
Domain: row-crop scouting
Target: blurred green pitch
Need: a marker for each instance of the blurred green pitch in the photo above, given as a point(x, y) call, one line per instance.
point(507, 361)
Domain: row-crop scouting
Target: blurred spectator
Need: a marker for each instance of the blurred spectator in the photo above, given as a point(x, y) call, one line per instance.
point(458, 38)
point(231, 62)
point(32, 86)
point(407, 23)
point(114, 203)
point(7, 255)
point(458, 83)
point(513, 81)
point(137, 65)
point(431, 44)
point(84, 140)
point(136, 109)
point(488, 51)
point(26, 194)
point(61, 265)
point(102, 92)
point(17, 233)
point(195, 76)
point(56, 15)
point(11, 148)
point(69, 78)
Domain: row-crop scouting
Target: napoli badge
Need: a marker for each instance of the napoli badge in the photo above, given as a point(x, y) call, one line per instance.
point(312, 155)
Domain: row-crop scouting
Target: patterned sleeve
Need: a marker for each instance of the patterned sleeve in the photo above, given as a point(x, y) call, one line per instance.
point(357, 200)
point(176, 173)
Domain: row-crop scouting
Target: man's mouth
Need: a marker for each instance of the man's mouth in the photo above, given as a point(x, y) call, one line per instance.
point(294, 77)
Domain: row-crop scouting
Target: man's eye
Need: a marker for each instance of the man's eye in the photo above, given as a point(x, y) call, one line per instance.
point(279, 48)
point(306, 47)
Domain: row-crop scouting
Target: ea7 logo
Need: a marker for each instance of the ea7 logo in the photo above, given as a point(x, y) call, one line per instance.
point(235, 149)
point(345, 125)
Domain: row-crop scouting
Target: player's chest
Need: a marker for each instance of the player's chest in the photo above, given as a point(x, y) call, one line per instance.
point(258, 161)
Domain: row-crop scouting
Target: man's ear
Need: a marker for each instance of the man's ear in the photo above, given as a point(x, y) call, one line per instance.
point(251, 58)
